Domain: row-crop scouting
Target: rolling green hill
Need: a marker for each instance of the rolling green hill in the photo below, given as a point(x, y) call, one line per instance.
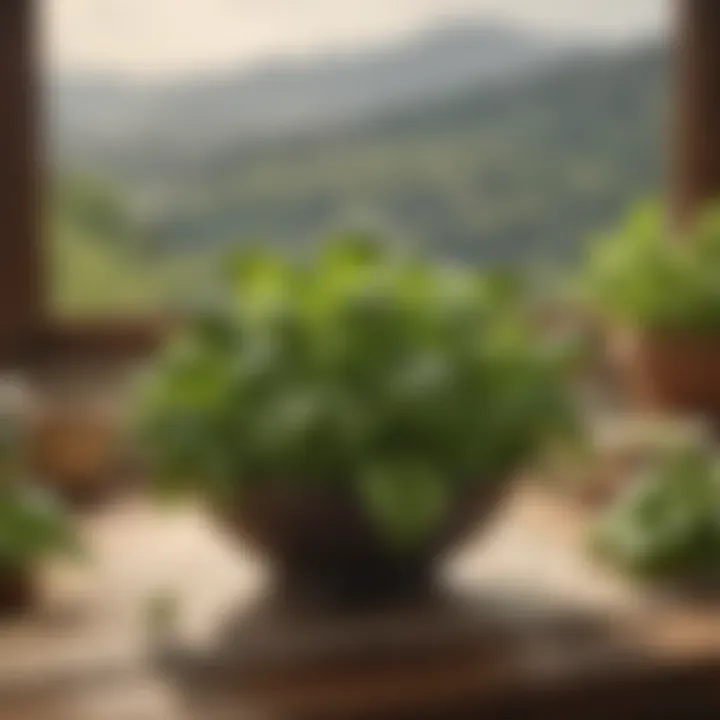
point(522, 172)
point(515, 173)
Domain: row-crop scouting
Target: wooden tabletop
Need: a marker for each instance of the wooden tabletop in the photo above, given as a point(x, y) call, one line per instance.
point(527, 621)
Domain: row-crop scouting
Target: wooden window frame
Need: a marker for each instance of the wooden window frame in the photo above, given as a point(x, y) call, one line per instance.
point(28, 330)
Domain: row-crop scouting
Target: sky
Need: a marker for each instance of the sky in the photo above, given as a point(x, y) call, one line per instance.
point(170, 37)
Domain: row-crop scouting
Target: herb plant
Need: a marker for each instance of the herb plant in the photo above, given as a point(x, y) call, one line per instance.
point(360, 370)
point(667, 524)
point(647, 276)
point(32, 525)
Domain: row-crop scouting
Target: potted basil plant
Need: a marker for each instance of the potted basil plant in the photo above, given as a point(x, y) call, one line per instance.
point(353, 415)
point(665, 527)
point(32, 526)
point(658, 293)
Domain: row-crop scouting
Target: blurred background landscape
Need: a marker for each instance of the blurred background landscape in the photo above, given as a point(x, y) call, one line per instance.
point(487, 137)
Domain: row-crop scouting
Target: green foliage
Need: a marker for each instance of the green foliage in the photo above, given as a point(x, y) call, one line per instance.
point(647, 276)
point(97, 209)
point(32, 527)
point(667, 525)
point(359, 367)
point(99, 262)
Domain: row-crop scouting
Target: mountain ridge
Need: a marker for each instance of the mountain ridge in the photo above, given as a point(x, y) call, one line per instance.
point(273, 99)
point(507, 173)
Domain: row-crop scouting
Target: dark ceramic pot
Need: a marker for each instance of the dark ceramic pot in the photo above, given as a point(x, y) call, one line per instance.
point(17, 590)
point(322, 545)
point(670, 370)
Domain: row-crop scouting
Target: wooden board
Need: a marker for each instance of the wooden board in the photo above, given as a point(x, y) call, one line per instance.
point(528, 621)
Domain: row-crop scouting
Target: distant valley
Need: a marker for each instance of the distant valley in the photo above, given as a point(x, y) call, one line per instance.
point(479, 143)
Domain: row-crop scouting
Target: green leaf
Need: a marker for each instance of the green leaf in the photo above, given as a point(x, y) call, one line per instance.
point(33, 525)
point(406, 500)
point(645, 275)
point(666, 524)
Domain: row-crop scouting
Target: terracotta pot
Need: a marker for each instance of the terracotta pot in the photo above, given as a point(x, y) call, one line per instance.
point(75, 447)
point(17, 590)
point(322, 545)
point(670, 370)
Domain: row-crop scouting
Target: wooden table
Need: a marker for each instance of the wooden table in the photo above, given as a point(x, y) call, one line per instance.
point(532, 628)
